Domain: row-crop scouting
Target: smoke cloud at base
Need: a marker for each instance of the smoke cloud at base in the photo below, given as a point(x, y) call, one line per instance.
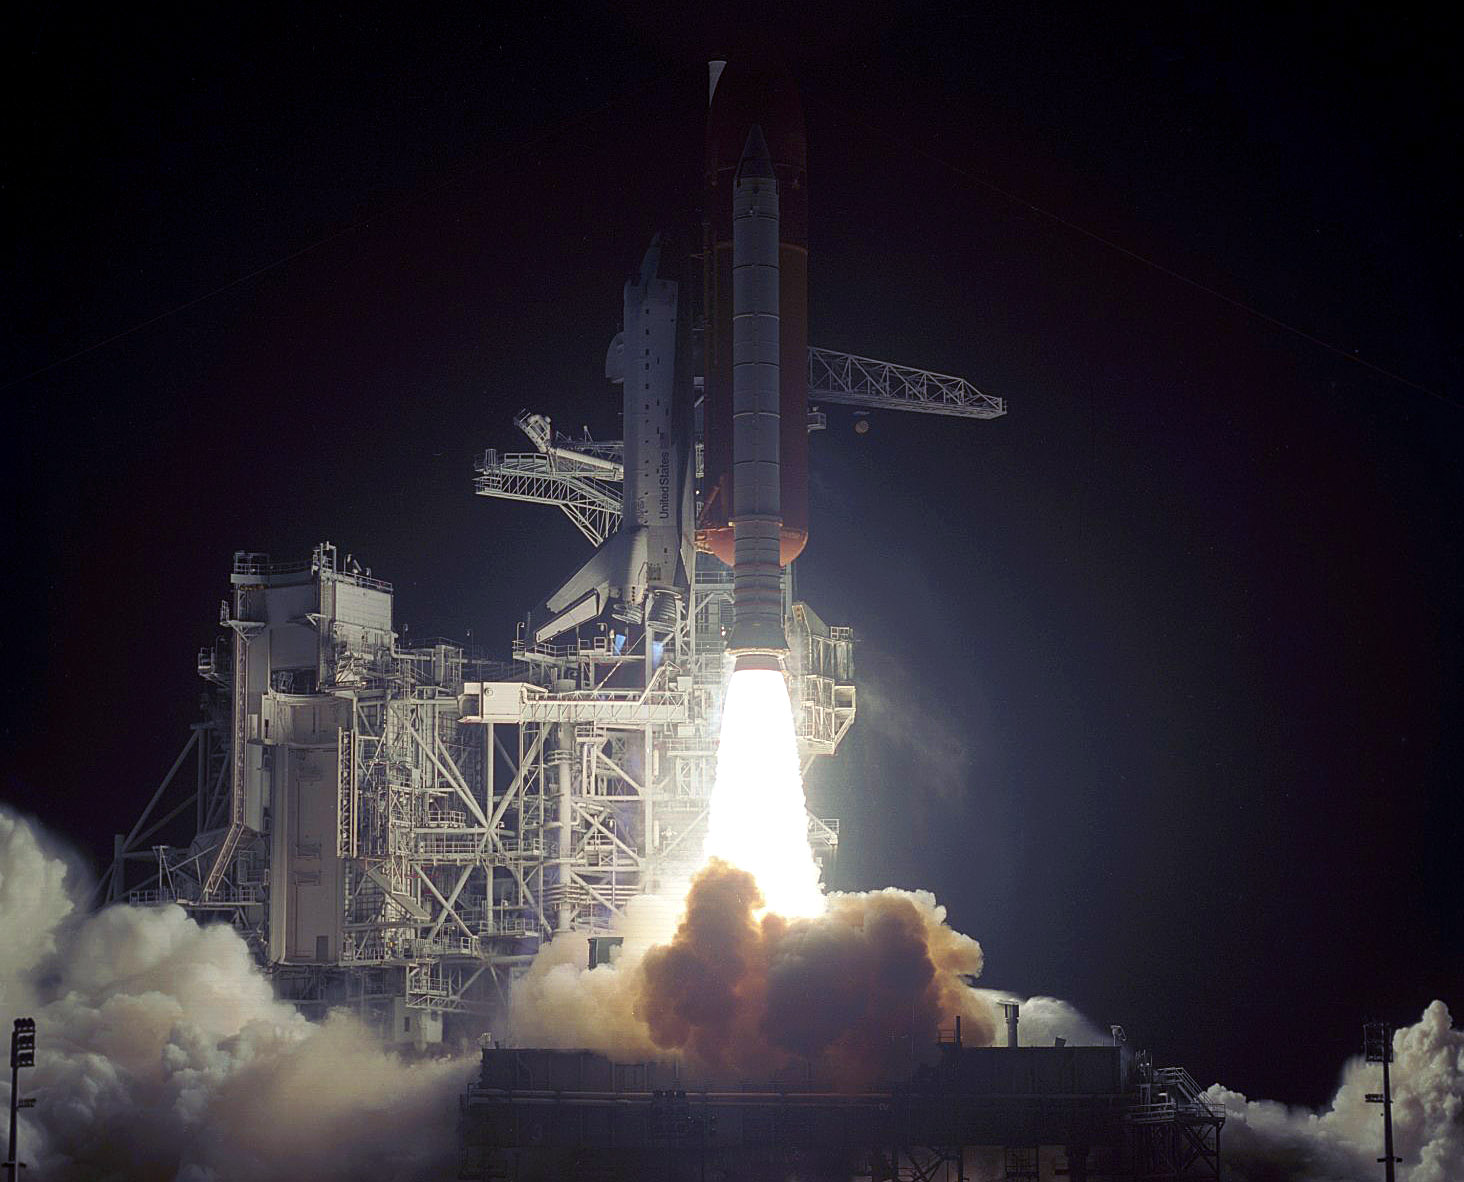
point(1046, 1019)
point(854, 993)
point(1264, 1141)
point(162, 1053)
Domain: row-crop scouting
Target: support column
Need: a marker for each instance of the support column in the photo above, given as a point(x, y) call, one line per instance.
point(564, 760)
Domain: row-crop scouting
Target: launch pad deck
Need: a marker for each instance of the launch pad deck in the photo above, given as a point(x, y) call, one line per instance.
point(1078, 1112)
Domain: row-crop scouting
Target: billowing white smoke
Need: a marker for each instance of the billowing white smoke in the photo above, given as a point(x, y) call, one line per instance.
point(161, 1052)
point(1264, 1141)
point(1046, 1019)
point(562, 1002)
point(1268, 1142)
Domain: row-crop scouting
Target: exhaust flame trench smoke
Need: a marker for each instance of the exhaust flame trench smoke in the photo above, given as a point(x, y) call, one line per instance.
point(856, 994)
point(161, 1051)
point(758, 819)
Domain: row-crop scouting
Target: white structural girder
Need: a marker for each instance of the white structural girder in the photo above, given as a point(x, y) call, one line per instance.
point(583, 477)
point(823, 831)
point(862, 381)
point(589, 495)
point(608, 709)
point(517, 702)
point(587, 455)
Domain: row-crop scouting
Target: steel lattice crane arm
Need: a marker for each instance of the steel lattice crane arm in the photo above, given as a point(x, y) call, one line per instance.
point(584, 480)
point(587, 457)
point(592, 502)
point(862, 381)
point(583, 477)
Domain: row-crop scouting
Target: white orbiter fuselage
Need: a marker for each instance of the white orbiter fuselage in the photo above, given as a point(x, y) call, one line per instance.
point(652, 551)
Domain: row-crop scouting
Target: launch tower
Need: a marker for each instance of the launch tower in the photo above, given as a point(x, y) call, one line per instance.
point(399, 828)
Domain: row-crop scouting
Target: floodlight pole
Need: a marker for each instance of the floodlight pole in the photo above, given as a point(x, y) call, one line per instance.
point(1388, 1158)
point(1377, 1046)
point(22, 1054)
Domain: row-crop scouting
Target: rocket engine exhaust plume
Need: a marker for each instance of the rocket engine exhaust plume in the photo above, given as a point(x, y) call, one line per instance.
point(758, 818)
point(764, 971)
point(161, 1052)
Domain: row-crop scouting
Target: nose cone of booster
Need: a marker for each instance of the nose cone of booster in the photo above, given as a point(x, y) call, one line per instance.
point(756, 163)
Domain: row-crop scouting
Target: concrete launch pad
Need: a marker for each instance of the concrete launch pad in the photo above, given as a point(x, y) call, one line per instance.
point(970, 1112)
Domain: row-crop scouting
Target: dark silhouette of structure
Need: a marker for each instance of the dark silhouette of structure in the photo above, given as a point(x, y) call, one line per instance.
point(1084, 1113)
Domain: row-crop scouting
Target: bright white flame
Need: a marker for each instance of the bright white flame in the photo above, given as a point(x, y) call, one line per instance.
point(758, 818)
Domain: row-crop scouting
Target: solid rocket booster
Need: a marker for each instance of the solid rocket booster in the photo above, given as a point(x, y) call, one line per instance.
point(757, 630)
point(744, 94)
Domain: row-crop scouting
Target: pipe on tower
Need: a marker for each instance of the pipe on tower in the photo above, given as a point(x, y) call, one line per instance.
point(1012, 1010)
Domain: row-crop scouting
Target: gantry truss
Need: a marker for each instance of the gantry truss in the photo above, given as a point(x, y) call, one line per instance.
point(882, 385)
point(1173, 1130)
point(340, 812)
point(399, 829)
point(610, 745)
point(583, 477)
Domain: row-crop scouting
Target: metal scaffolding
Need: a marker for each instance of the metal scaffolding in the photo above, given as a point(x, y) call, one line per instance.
point(582, 477)
point(611, 751)
point(398, 829)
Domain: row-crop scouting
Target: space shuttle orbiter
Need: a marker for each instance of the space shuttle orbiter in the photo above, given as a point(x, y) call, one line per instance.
point(754, 271)
point(651, 554)
point(753, 359)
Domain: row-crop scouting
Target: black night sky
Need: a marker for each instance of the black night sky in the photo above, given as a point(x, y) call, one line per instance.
point(1159, 685)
